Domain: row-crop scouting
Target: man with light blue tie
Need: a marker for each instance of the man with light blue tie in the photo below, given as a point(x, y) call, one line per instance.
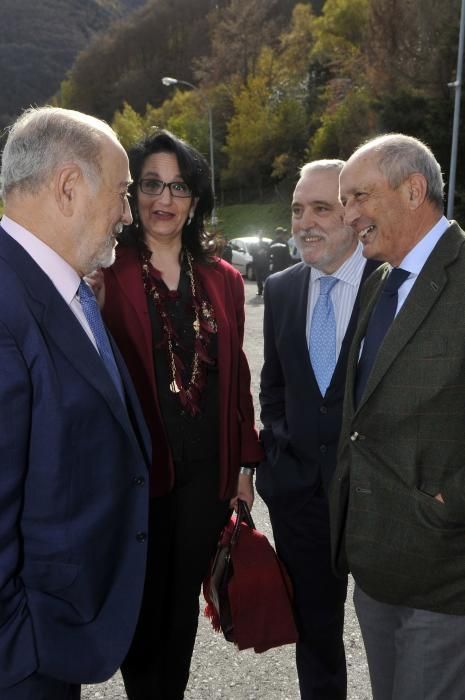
point(74, 449)
point(310, 316)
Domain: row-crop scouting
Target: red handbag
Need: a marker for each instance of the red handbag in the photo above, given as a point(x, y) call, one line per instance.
point(248, 592)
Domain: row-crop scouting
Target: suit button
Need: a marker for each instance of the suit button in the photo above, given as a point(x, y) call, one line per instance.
point(323, 409)
point(323, 449)
point(138, 481)
point(141, 536)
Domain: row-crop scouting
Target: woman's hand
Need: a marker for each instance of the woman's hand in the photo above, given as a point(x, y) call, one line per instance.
point(97, 281)
point(245, 491)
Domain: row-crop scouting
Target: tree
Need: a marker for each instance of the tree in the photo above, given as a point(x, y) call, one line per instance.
point(345, 127)
point(127, 64)
point(239, 30)
point(410, 45)
point(128, 125)
point(267, 132)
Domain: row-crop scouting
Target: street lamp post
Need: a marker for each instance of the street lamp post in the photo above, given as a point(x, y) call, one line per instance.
point(169, 82)
point(457, 85)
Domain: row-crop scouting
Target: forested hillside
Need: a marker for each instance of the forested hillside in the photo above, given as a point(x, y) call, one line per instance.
point(39, 42)
point(169, 37)
point(284, 81)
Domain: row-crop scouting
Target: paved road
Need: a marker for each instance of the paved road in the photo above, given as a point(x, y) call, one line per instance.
point(218, 670)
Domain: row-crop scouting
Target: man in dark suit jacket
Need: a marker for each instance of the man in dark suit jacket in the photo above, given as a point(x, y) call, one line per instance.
point(302, 418)
point(73, 445)
point(398, 495)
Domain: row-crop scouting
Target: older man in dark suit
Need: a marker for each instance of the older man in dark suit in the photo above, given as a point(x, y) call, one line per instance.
point(310, 316)
point(74, 449)
point(398, 495)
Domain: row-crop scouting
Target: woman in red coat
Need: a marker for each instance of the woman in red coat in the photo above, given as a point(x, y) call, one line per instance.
point(177, 314)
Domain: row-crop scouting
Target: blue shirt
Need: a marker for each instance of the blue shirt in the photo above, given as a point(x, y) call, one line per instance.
point(417, 257)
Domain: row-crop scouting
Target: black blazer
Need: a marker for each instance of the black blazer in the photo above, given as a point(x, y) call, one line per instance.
point(301, 428)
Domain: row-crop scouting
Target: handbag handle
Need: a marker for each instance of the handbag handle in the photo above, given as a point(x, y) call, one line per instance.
point(243, 515)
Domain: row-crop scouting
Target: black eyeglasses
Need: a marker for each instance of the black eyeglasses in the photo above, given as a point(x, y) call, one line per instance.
point(155, 187)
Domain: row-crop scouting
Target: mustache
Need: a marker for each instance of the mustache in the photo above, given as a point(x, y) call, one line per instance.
point(304, 233)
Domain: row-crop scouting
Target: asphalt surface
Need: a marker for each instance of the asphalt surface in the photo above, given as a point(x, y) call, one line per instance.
point(218, 670)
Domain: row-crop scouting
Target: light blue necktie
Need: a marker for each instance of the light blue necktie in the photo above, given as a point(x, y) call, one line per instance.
point(93, 316)
point(322, 341)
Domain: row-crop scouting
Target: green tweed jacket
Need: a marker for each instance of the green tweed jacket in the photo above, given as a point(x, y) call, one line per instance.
point(405, 443)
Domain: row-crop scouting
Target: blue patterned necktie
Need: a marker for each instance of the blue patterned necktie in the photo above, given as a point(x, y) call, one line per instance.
point(93, 316)
point(322, 341)
point(381, 318)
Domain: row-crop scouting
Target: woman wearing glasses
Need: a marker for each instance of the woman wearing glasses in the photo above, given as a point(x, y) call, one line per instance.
point(177, 313)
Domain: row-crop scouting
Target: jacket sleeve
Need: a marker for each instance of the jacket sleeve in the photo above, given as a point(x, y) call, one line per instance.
point(18, 657)
point(251, 450)
point(272, 399)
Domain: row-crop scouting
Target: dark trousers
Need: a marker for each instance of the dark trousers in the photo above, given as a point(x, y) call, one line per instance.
point(261, 273)
point(184, 530)
point(301, 533)
point(38, 687)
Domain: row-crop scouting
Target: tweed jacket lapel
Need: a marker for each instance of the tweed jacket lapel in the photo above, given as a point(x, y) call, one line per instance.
point(426, 291)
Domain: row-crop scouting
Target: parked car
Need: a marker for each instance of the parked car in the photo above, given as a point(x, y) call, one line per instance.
point(242, 249)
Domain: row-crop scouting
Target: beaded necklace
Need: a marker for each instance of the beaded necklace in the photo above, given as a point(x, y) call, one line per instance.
point(204, 324)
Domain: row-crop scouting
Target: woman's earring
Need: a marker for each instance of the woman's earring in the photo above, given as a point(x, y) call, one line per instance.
point(135, 218)
point(190, 217)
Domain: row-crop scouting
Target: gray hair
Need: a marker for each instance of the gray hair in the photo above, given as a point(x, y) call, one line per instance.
point(42, 138)
point(323, 164)
point(398, 156)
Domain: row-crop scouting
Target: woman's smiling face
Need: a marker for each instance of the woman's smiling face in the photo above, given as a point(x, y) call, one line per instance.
point(162, 216)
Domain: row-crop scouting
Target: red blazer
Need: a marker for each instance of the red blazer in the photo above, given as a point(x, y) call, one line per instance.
point(126, 314)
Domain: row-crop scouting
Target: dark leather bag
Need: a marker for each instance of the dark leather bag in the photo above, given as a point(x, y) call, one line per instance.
point(248, 592)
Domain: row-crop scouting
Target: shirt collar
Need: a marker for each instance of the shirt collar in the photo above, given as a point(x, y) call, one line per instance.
point(63, 276)
point(348, 272)
point(417, 257)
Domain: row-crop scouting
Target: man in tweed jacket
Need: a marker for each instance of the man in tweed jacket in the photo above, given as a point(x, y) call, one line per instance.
point(398, 495)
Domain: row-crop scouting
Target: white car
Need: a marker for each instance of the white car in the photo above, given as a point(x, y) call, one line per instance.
point(242, 249)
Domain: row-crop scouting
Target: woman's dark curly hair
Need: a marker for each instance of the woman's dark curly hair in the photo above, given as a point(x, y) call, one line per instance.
point(195, 173)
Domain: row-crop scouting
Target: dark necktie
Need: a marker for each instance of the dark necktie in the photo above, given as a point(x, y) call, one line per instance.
point(93, 316)
point(322, 341)
point(380, 320)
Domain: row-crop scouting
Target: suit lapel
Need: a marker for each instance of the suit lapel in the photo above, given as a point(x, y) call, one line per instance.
point(61, 327)
point(132, 401)
point(297, 318)
point(67, 334)
point(426, 291)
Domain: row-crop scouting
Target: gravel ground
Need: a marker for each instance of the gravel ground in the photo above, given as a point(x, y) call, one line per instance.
point(218, 670)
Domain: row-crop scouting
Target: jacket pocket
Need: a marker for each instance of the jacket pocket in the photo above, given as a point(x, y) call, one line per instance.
point(48, 576)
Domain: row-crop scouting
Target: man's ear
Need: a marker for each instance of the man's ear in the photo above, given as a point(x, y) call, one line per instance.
point(67, 183)
point(416, 189)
